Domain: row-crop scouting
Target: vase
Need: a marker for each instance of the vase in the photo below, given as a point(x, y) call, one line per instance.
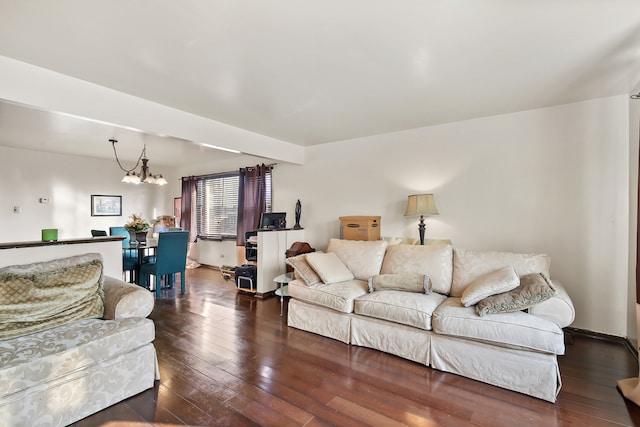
point(141, 236)
point(138, 236)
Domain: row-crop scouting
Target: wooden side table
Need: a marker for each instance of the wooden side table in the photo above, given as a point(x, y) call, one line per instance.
point(282, 291)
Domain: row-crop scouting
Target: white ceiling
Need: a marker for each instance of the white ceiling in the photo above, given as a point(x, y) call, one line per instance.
point(310, 72)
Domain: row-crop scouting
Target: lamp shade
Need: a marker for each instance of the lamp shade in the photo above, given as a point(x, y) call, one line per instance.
point(421, 204)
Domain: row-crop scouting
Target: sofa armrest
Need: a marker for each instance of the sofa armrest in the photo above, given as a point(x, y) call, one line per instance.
point(558, 309)
point(122, 299)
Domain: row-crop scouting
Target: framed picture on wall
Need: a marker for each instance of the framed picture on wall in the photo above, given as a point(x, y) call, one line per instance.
point(102, 205)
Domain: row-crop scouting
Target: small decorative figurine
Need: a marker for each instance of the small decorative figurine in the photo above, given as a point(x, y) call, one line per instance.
point(298, 212)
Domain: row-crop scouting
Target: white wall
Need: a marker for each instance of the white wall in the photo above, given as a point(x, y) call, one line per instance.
point(634, 140)
point(554, 180)
point(69, 182)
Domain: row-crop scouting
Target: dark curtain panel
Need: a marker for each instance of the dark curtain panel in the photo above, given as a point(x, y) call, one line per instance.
point(187, 208)
point(251, 195)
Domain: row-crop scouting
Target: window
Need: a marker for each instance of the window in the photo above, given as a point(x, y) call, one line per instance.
point(217, 206)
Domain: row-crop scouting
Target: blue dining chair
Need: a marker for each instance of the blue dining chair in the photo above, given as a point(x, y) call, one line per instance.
point(171, 258)
point(129, 255)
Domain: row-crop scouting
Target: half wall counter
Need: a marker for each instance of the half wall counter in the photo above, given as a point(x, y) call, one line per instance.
point(110, 247)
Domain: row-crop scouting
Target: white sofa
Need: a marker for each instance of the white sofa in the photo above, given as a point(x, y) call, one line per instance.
point(77, 365)
point(515, 350)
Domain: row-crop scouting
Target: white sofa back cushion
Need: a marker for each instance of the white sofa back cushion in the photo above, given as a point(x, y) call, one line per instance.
point(363, 258)
point(470, 265)
point(434, 261)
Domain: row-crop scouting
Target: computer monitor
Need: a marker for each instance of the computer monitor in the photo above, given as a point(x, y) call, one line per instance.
point(273, 220)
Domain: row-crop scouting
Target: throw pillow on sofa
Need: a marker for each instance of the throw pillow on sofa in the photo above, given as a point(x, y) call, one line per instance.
point(329, 267)
point(534, 288)
point(408, 282)
point(303, 270)
point(43, 295)
point(502, 280)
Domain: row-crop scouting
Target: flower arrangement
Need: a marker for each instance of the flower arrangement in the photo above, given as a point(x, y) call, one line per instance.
point(137, 223)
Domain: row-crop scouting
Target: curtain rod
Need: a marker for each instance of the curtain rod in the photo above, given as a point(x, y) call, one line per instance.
point(210, 175)
point(253, 167)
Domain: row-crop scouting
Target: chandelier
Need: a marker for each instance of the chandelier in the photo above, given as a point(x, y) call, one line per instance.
point(145, 175)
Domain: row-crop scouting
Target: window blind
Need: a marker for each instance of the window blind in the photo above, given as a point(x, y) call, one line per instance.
point(217, 206)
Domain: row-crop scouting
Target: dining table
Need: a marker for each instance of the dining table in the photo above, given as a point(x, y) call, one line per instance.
point(143, 250)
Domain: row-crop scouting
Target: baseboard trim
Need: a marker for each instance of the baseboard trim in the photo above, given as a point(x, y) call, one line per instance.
point(605, 337)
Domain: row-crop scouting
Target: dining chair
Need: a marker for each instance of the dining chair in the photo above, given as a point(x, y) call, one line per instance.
point(170, 258)
point(98, 233)
point(129, 255)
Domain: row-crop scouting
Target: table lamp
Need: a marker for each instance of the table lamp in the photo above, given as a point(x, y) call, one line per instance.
point(421, 204)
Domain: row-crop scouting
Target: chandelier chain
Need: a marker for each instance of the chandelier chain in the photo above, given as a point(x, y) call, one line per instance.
point(113, 143)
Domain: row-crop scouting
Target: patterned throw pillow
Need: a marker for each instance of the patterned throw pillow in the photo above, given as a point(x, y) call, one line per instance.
point(303, 270)
point(534, 288)
point(44, 295)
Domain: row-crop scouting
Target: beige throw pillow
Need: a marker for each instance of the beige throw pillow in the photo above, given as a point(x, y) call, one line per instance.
point(303, 269)
point(408, 282)
point(502, 280)
point(534, 288)
point(329, 267)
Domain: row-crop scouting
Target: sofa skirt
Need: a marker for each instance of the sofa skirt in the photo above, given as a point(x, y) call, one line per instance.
point(532, 373)
point(529, 372)
point(400, 340)
point(319, 320)
point(79, 394)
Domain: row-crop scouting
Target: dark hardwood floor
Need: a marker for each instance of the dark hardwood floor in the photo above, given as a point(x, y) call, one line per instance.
point(227, 358)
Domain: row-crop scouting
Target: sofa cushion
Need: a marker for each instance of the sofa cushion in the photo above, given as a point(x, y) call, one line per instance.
point(329, 267)
point(337, 296)
point(407, 308)
point(469, 265)
point(43, 295)
point(362, 258)
point(434, 261)
point(502, 280)
point(303, 270)
point(518, 329)
point(44, 356)
point(408, 282)
point(533, 289)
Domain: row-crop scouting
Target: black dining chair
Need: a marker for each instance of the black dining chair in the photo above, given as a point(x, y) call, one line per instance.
point(170, 258)
point(129, 254)
point(98, 233)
